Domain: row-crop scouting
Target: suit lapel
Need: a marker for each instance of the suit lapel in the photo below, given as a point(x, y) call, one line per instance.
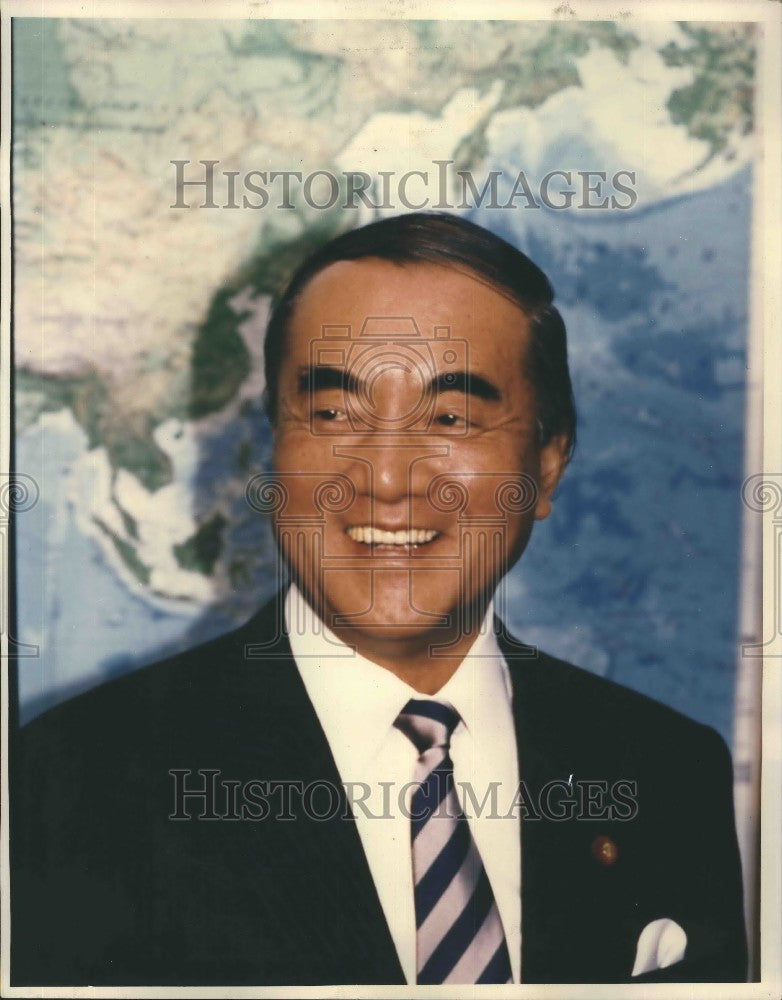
point(323, 876)
point(568, 896)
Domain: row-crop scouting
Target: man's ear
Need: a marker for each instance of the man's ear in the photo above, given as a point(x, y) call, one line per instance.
point(553, 461)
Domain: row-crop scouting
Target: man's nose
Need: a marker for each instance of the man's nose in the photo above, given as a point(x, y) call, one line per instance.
point(392, 469)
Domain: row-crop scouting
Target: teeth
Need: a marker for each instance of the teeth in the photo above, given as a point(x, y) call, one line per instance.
point(376, 536)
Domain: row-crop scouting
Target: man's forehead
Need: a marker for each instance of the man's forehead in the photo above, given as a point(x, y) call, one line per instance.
point(430, 284)
point(373, 300)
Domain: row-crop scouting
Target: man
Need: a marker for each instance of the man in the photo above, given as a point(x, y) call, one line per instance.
point(371, 782)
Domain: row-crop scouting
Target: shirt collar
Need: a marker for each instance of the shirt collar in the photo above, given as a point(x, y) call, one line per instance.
point(344, 685)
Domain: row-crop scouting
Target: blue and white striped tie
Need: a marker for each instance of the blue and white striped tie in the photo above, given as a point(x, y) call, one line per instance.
point(459, 937)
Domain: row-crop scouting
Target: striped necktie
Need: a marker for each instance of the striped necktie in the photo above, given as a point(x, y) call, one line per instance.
point(459, 935)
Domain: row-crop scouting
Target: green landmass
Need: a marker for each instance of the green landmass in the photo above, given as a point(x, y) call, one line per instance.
point(533, 74)
point(130, 523)
point(88, 398)
point(718, 102)
point(533, 65)
point(220, 361)
point(42, 92)
point(315, 78)
point(201, 551)
point(137, 452)
point(127, 553)
point(85, 395)
point(268, 271)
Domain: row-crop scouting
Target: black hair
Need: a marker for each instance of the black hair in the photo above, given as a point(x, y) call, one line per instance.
point(440, 238)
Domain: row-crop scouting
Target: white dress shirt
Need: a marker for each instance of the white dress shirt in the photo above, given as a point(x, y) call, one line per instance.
point(357, 702)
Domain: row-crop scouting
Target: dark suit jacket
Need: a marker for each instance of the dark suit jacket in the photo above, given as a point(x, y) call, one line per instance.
point(107, 889)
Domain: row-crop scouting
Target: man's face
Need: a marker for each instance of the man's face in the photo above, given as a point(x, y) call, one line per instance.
point(406, 444)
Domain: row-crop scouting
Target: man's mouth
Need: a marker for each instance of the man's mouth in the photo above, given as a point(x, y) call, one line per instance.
point(410, 538)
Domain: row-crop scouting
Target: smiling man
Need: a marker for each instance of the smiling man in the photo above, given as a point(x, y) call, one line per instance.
point(371, 781)
point(408, 418)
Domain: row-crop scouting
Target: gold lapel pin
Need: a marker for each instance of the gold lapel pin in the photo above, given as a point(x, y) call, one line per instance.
point(604, 850)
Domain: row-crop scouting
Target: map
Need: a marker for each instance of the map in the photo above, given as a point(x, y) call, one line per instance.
point(169, 174)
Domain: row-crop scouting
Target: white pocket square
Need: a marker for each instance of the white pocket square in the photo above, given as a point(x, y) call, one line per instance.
point(662, 942)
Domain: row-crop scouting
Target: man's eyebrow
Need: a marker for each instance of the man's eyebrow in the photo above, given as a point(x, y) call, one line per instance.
point(318, 377)
point(472, 385)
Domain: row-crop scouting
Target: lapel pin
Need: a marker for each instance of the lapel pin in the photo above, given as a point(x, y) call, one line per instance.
point(604, 850)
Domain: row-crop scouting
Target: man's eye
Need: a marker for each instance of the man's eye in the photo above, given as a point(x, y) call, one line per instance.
point(450, 420)
point(328, 413)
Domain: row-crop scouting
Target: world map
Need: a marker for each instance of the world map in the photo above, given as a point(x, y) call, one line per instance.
point(139, 313)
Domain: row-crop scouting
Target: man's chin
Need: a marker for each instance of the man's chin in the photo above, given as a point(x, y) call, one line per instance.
point(383, 628)
point(388, 625)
